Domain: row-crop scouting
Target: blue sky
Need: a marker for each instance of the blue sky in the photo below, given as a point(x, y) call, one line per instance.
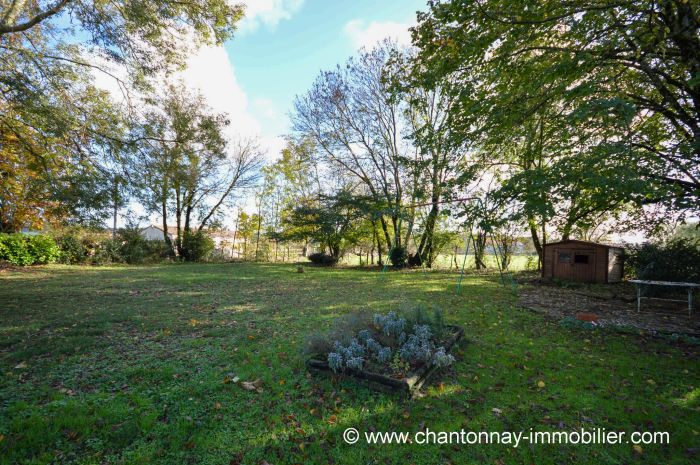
point(278, 61)
point(280, 48)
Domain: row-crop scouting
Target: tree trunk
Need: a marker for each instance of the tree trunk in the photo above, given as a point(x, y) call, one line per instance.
point(166, 237)
point(257, 237)
point(178, 223)
point(235, 232)
point(536, 241)
point(426, 242)
point(479, 249)
point(114, 221)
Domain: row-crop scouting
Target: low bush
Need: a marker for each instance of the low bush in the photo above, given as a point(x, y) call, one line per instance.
point(43, 249)
point(398, 256)
point(196, 246)
point(676, 260)
point(72, 249)
point(133, 248)
point(322, 259)
point(23, 249)
point(107, 251)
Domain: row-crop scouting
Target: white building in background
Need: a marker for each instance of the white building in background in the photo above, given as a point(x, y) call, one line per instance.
point(155, 233)
point(226, 243)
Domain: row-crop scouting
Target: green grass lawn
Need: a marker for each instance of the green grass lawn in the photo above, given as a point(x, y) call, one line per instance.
point(130, 365)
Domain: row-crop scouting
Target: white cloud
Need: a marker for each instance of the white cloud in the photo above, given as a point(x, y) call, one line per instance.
point(211, 73)
point(267, 12)
point(366, 34)
point(266, 108)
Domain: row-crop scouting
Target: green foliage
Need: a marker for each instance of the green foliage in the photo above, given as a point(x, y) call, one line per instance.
point(196, 246)
point(398, 256)
point(689, 231)
point(43, 249)
point(578, 149)
point(335, 221)
point(677, 260)
point(72, 249)
point(106, 252)
point(23, 249)
point(134, 248)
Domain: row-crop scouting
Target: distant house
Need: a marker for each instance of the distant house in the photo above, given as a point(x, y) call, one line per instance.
point(583, 261)
point(226, 243)
point(155, 233)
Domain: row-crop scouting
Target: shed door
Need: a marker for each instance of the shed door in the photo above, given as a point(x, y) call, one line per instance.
point(583, 265)
point(575, 264)
point(562, 263)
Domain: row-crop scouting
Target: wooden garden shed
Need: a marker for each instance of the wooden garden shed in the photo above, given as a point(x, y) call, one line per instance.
point(582, 261)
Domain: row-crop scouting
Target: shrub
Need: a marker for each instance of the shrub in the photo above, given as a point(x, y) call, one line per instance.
point(133, 246)
point(13, 248)
point(390, 324)
point(157, 251)
point(441, 359)
point(415, 260)
point(322, 259)
point(335, 361)
point(107, 251)
point(398, 256)
point(196, 246)
point(43, 249)
point(677, 260)
point(72, 249)
point(22, 249)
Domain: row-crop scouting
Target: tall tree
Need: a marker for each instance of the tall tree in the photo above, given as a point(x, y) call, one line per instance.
point(50, 53)
point(192, 170)
point(350, 115)
point(627, 71)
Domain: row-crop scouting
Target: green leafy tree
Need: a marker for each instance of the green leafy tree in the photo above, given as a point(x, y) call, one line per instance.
point(615, 83)
point(192, 170)
point(334, 222)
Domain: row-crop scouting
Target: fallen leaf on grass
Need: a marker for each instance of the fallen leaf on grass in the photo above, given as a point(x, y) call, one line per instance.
point(21, 366)
point(231, 378)
point(540, 384)
point(497, 411)
point(252, 386)
point(637, 449)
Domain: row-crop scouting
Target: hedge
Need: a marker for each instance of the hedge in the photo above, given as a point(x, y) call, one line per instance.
point(22, 249)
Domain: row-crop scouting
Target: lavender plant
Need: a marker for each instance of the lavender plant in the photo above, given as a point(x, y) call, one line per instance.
point(355, 363)
point(411, 349)
point(390, 324)
point(335, 361)
point(364, 335)
point(416, 349)
point(384, 355)
point(441, 359)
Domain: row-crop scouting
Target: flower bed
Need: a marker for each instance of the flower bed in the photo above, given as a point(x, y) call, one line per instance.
point(389, 352)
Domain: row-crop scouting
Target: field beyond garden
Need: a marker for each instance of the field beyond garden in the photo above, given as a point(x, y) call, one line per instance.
point(149, 365)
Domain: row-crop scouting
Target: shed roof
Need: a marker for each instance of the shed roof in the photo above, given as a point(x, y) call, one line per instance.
point(595, 244)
